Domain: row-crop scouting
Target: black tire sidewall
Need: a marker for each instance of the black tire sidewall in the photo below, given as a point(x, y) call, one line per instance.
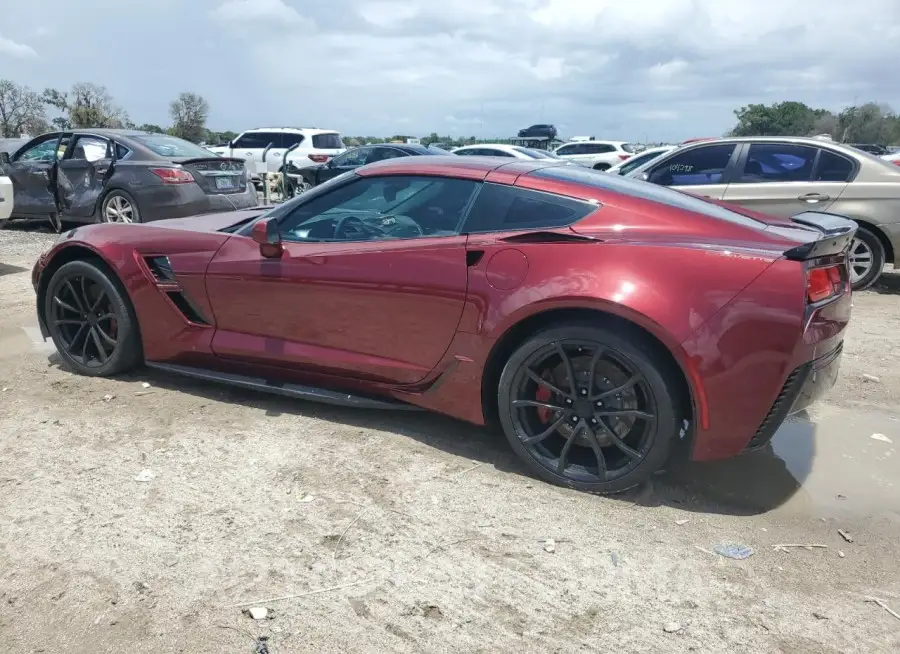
point(134, 206)
point(874, 243)
point(128, 354)
point(658, 377)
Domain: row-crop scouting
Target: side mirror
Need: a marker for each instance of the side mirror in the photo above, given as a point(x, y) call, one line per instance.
point(4, 157)
point(265, 233)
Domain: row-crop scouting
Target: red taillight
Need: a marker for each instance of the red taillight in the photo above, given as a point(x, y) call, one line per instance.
point(623, 157)
point(318, 158)
point(173, 175)
point(896, 162)
point(823, 283)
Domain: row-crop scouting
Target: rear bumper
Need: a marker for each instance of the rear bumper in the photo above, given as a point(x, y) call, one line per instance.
point(160, 203)
point(804, 386)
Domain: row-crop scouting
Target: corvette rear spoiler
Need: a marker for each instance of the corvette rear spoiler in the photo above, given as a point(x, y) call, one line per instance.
point(836, 233)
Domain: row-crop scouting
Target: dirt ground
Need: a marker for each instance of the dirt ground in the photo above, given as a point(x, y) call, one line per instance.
point(415, 533)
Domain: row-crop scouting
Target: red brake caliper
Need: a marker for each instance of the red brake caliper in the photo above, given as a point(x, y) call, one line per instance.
point(543, 395)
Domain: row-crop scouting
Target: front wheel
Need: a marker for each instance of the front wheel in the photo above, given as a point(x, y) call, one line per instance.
point(866, 259)
point(91, 321)
point(588, 409)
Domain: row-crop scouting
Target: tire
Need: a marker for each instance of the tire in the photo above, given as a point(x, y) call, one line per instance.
point(602, 166)
point(115, 197)
point(70, 293)
point(649, 437)
point(865, 243)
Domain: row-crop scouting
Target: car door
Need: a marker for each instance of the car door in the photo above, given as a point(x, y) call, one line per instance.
point(702, 170)
point(784, 179)
point(343, 163)
point(371, 284)
point(82, 174)
point(32, 171)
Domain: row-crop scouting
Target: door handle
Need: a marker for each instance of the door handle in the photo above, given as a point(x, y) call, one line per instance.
point(249, 154)
point(814, 197)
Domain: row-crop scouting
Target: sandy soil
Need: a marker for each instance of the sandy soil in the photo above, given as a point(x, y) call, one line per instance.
point(424, 534)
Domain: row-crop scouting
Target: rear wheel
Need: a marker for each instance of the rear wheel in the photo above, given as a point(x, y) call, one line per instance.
point(601, 166)
point(91, 321)
point(586, 408)
point(119, 207)
point(866, 259)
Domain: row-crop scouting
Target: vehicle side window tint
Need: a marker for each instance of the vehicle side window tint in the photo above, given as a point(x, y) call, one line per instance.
point(778, 162)
point(497, 153)
point(505, 208)
point(566, 149)
point(90, 148)
point(380, 154)
point(43, 152)
point(352, 158)
point(702, 165)
point(833, 168)
point(121, 151)
point(598, 148)
point(258, 140)
point(381, 208)
point(289, 140)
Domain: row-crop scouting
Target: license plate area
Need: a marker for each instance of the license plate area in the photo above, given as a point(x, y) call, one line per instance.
point(225, 184)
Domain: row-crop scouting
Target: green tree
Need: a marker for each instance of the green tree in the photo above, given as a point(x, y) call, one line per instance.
point(21, 111)
point(150, 127)
point(779, 119)
point(868, 123)
point(189, 113)
point(85, 105)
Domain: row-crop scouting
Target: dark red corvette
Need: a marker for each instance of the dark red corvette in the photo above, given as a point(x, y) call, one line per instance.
point(599, 319)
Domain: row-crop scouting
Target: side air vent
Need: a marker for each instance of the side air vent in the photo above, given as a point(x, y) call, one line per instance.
point(187, 308)
point(548, 237)
point(161, 269)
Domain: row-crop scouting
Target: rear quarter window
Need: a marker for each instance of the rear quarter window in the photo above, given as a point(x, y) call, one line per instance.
point(327, 141)
point(507, 208)
point(645, 191)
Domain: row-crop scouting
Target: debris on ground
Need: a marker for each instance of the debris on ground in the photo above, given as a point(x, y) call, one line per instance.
point(847, 537)
point(784, 547)
point(871, 378)
point(819, 616)
point(145, 385)
point(145, 475)
point(108, 397)
point(614, 557)
point(682, 522)
point(262, 645)
point(257, 612)
point(881, 437)
point(880, 603)
point(307, 499)
point(733, 551)
point(671, 627)
point(550, 545)
point(840, 554)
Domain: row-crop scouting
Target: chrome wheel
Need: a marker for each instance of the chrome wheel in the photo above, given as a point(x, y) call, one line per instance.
point(118, 210)
point(862, 258)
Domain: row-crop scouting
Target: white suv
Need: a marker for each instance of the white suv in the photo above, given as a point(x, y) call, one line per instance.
point(599, 155)
point(315, 146)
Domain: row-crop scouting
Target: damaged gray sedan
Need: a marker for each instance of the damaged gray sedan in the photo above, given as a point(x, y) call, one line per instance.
point(127, 176)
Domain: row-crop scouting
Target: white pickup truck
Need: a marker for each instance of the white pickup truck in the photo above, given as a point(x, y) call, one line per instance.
point(314, 146)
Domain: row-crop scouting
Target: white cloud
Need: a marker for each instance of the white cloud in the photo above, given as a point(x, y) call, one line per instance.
point(388, 13)
point(257, 10)
point(16, 50)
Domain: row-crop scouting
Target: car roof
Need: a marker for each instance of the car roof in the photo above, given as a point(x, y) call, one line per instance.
point(453, 166)
point(292, 130)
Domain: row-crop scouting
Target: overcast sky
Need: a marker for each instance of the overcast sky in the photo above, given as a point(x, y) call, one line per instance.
point(627, 69)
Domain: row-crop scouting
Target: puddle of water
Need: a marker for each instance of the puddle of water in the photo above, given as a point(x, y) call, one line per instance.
point(825, 464)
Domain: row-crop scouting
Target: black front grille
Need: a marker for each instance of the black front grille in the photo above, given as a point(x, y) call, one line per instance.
point(780, 408)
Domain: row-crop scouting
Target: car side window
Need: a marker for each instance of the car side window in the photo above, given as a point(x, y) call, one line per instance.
point(833, 168)
point(91, 148)
point(257, 140)
point(491, 152)
point(566, 149)
point(381, 208)
point(352, 158)
point(598, 148)
point(380, 154)
point(778, 162)
point(507, 208)
point(694, 167)
point(42, 152)
point(289, 140)
point(121, 151)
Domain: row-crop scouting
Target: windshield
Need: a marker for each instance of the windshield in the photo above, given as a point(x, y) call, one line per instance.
point(171, 146)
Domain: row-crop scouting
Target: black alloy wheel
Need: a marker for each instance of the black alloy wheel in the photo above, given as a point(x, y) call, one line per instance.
point(587, 409)
point(90, 321)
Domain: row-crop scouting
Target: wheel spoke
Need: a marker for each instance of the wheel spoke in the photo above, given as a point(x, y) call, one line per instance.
point(106, 337)
point(595, 359)
point(74, 340)
point(614, 437)
point(96, 303)
point(618, 389)
point(75, 296)
point(540, 405)
point(620, 413)
point(533, 440)
point(537, 379)
point(564, 454)
point(570, 373)
point(106, 316)
point(65, 305)
point(598, 451)
point(68, 321)
point(84, 346)
point(101, 352)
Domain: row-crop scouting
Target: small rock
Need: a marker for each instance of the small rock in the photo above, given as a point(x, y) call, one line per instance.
point(819, 616)
point(5, 388)
point(108, 397)
point(881, 437)
point(847, 537)
point(306, 499)
point(145, 385)
point(550, 545)
point(145, 475)
point(258, 612)
point(432, 611)
point(840, 554)
point(871, 378)
point(681, 522)
point(671, 627)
